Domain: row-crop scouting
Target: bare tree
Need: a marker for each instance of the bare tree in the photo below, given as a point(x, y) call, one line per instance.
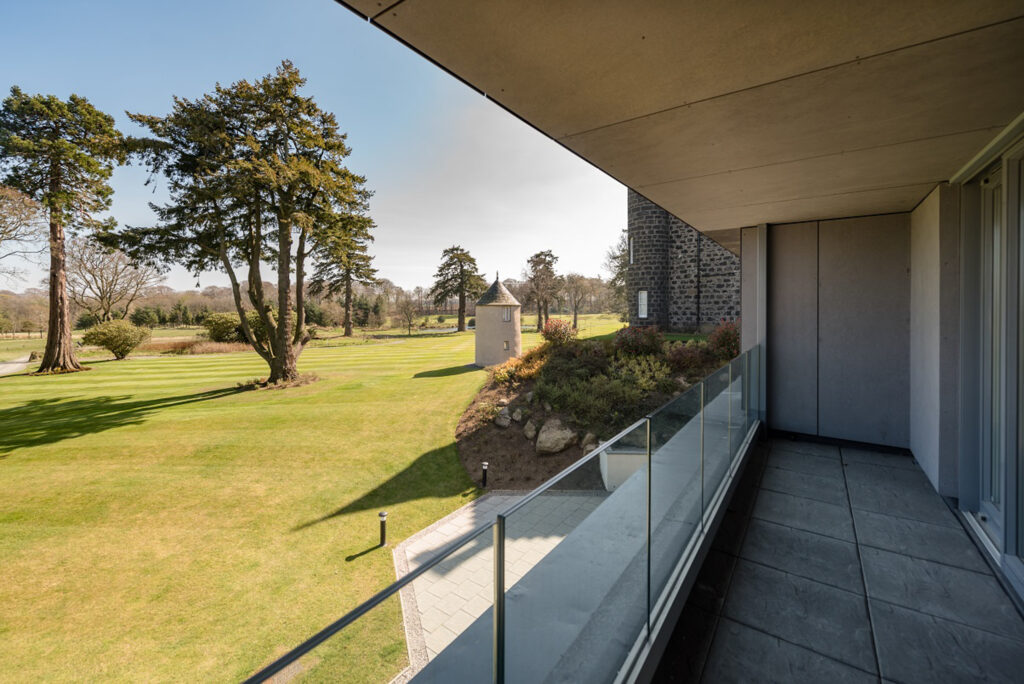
point(407, 312)
point(21, 228)
point(106, 282)
point(576, 288)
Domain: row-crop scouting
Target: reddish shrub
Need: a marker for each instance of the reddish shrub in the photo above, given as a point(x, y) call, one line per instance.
point(724, 341)
point(558, 332)
point(636, 341)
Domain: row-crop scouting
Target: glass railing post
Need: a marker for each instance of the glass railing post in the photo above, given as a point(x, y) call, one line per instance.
point(650, 470)
point(701, 414)
point(728, 401)
point(498, 659)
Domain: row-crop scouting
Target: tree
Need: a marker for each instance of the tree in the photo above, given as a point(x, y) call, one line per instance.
point(106, 282)
point(543, 283)
point(343, 260)
point(616, 263)
point(61, 154)
point(256, 176)
point(407, 312)
point(21, 228)
point(576, 288)
point(457, 276)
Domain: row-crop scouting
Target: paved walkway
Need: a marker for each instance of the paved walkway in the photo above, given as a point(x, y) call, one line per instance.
point(442, 603)
point(842, 565)
point(12, 367)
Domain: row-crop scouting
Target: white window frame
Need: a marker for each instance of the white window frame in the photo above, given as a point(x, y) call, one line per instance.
point(641, 304)
point(506, 315)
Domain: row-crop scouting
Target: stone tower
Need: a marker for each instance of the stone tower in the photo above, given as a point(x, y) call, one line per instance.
point(686, 279)
point(498, 336)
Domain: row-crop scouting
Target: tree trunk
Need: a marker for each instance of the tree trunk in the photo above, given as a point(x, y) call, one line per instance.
point(462, 311)
point(348, 307)
point(575, 318)
point(546, 316)
point(540, 315)
point(283, 367)
point(59, 356)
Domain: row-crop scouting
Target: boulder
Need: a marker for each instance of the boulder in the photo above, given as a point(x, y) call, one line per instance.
point(503, 402)
point(517, 415)
point(589, 442)
point(530, 430)
point(554, 437)
point(504, 418)
point(529, 397)
point(547, 407)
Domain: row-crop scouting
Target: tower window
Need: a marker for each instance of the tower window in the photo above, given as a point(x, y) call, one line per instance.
point(506, 315)
point(506, 345)
point(641, 304)
point(630, 250)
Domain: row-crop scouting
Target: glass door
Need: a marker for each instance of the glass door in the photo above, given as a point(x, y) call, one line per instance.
point(993, 329)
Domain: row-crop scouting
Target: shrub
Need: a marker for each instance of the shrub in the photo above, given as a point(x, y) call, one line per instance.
point(647, 373)
point(524, 368)
point(636, 341)
point(118, 337)
point(558, 332)
point(724, 341)
point(599, 402)
point(222, 327)
point(440, 319)
point(688, 358)
point(145, 317)
point(86, 320)
point(471, 323)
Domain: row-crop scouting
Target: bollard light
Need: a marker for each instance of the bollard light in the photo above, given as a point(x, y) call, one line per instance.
point(383, 515)
point(485, 474)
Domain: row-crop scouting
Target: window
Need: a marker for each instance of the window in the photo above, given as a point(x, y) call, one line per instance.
point(506, 345)
point(506, 316)
point(630, 250)
point(641, 304)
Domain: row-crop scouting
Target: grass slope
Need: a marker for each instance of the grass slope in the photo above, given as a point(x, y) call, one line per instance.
point(156, 524)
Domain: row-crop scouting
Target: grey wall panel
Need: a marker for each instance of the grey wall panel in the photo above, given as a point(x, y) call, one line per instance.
point(864, 329)
point(793, 327)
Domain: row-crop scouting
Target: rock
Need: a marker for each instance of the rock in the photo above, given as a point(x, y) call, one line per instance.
point(517, 415)
point(529, 397)
point(503, 419)
point(503, 402)
point(589, 442)
point(547, 407)
point(530, 430)
point(554, 437)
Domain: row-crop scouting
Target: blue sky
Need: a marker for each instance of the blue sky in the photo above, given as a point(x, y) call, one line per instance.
point(447, 166)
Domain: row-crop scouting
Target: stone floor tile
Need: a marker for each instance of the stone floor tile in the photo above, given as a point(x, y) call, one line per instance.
point(809, 555)
point(806, 463)
point(881, 458)
point(914, 538)
point(741, 654)
point(914, 647)
point(825, 489)
point(871, 490)
point(805, 514)
point(972, 598)
point(808, 613)
point(814, 448)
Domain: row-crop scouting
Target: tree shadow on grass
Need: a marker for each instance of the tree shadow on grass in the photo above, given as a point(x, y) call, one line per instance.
point(435, 474)
point(446, 372)
point(46, 421)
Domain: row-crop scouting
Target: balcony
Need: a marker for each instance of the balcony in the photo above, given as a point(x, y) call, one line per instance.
point(843, 564)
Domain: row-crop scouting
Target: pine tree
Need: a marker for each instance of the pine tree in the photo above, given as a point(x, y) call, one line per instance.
point(255, 173)
point(60, 153)
point(343, 260)
point(457, 276)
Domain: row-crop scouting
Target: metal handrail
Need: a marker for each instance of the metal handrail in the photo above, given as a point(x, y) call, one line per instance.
point(363, 608)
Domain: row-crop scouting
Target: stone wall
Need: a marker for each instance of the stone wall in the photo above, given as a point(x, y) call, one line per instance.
point(691, 280)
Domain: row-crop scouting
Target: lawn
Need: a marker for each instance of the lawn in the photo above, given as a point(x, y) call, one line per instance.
point(156, 524)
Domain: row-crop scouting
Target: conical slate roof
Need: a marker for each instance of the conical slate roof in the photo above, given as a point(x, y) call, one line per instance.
point(497, 295)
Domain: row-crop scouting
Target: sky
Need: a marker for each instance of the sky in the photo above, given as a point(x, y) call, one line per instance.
point(446, 165)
